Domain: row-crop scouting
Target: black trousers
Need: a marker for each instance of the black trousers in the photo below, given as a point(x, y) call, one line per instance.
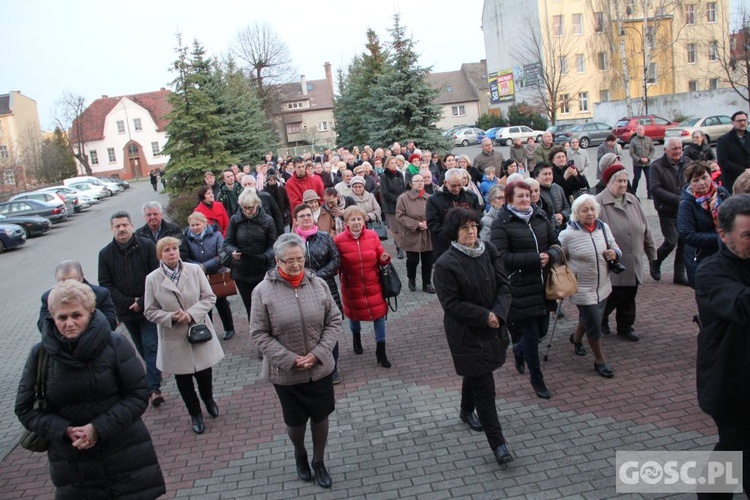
point(733, 436)
point(412, 261)
point(672, 240)
point(637, 177)
point(187, 389)
point(225, 313)
point(479, 393)
point(246, 292)
point(622, 298)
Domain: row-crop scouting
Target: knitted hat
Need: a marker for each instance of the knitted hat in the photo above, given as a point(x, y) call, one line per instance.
point(607, 160)
point(310, 195)
point(357, 180)
point(610, 171)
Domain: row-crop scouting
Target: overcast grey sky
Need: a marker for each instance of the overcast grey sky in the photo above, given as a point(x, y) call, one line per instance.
point(100, 47)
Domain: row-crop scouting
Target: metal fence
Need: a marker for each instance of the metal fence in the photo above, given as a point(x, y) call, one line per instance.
point(302, 150)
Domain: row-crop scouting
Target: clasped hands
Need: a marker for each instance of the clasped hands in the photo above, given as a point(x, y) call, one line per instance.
point(181, 316)
point(84, 437)
point(493, 321)
point(305, 362)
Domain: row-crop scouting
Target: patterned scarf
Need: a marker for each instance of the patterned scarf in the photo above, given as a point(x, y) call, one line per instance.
point(306, 233)
point(710, 202)
point(471, 252)
point(173, 274)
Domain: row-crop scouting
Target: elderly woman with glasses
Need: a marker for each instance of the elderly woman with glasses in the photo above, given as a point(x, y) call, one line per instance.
point(496, 197)
point(295, 324)
point(415, 236)
point(250, 238)
point(473, 289)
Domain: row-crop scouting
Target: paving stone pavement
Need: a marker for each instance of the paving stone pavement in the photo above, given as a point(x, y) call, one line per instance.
point(396, 434)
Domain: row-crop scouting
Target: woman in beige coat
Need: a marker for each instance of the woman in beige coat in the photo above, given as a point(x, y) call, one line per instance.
point(415, 236)
point(295, 323)
point(178, 294)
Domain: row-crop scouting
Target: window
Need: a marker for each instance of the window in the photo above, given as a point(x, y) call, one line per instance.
point(651, 74)
point(690, 13)
point(578, 24)
point(322, 126)
point(9, 177)
point(111, 155)
point(120, 127)
point(691, 53)
point(604, 95)
point(132, 149)
point(155, 149)
point(580, 63)
point(732, 45)
point(137, 124)
point(601, 61)
point(711, 12)
point(449, 89)
point(94, 156)
point(3, 152)
point(295, 105)
point(692, 86)
point(563, 65)
point(713, 83)
point(1, 125)
point(598, 22)
point(292, 128)
point(583, 101)
point(564, 103)
point(458, 110)
point(713, 51)
point(557, 25)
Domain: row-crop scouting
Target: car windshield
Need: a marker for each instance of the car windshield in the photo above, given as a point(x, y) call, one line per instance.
point(690, 122)
point(622, 123)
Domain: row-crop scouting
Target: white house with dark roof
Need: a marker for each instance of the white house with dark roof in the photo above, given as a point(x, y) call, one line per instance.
point(464, 94)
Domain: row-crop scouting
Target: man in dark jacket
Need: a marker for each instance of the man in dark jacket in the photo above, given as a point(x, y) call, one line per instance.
point(230, 192)
point(453, 195)
point(156, 227)
point(553, 196)
point(722, 289)
point(123, 266)
point(733, 150)
point(667, 179)
point(72, 270)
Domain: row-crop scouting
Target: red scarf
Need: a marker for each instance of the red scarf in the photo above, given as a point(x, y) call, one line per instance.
point(590, 228)
point(293, 280)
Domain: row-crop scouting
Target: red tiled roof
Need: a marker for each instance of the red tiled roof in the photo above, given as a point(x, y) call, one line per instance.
point(92, 119)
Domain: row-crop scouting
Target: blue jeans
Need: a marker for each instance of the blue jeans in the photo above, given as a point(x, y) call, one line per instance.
point(532, 329)
point(356, 327)
point(144, 336)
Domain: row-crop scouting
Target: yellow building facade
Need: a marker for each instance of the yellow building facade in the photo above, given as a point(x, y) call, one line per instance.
point(19, 126)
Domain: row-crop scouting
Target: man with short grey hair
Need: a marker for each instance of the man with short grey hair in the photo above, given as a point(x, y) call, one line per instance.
point(156, 227)
point(541, 153)
point(453, 195)
point(488, 158)
point(641, 151)
point(72, 270)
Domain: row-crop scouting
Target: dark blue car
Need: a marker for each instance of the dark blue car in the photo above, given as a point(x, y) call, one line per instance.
point(11, 236)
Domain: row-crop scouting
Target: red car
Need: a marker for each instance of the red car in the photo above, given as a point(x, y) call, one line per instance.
point(656, 126)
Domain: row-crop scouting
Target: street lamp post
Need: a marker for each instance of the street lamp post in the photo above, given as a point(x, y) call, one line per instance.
point(645, 69)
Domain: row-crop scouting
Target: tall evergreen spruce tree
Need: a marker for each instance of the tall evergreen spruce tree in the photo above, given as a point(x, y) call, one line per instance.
point(195, 131)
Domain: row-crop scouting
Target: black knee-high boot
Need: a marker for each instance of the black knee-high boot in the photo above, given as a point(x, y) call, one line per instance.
point(357, 341)
point(380, 355)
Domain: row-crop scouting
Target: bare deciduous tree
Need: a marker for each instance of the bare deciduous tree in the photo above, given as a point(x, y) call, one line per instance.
point(268, 62)
point(69, 119)
point(733, 47)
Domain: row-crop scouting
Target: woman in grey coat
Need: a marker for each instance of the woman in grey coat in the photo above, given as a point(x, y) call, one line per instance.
point(297, 344)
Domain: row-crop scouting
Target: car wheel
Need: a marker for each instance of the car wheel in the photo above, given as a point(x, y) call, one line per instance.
point(2, 247)
point(110, 193)
point(465, 143)
point(584, 142)
point(27, 231)
point(539, 138)
point(509, 142)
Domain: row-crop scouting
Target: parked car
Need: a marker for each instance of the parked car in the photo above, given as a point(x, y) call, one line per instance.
point(506, 135)
point(656, 126)
point(33, 225)
point(52, 198)
point(466, 136)
point(713, 127)
point(112, 187)
point(11, 236)
point(556, 129)
point(89, 179)
point(588, 134)
point(93, 190)
point(123, 184)
point(55, 213)
point(84, 200)
point(489, 134)
point(450, 131)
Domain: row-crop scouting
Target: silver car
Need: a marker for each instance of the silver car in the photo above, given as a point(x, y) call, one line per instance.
point(51, 198)
point(466, 136)
point(713, 127)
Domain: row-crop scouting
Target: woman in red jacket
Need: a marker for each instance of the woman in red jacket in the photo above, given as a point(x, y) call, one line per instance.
point(213, 210)
point(361, 290)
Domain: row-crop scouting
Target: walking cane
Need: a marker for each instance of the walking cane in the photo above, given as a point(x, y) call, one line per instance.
point(554, 326)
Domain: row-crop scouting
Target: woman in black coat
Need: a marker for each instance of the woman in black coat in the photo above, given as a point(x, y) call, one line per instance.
point(524, 236)
point(321, 256)
point(96, 392)
point(250, 238)
point(699, 149)
point(473, 289)
point(392, 185)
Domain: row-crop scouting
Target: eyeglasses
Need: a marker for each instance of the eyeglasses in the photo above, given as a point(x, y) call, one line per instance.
point(741, 120)
point(251, 208)
point(471, 226)
point(455, 185)
point(304, 216)
point(499, 198)
point(298, 260)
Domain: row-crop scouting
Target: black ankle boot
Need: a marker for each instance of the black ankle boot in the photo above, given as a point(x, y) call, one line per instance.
point(357, 341)
point(380, 355)
point(412, 285)
point(322, 478)
point(303, 467)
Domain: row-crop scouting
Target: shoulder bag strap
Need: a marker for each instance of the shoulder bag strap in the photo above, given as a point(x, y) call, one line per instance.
point(192, 322)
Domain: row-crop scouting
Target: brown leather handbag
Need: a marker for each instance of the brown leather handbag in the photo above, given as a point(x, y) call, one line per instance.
point(222, 284)
point(561, 282)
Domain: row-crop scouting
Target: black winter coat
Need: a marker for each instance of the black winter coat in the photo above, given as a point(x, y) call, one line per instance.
point(123, 271)
point(469, 289)
point(103, 303)
point(166, 229)
point(667, 181)
point(270, 207)
point(519, 245)
point(392, 185)
point(322, 256)
point(254, 238)
point(282, 201)
point(722, 290)
point(573, 185)
point(733, 156)
point(437, 206)
point(97, 379)
point(694, 152)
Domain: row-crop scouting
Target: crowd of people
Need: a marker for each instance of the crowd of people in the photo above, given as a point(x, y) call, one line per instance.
point(485, 231)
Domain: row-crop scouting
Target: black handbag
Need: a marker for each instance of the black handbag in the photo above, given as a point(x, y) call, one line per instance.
point(30, 440)
point(380, 228)
point(614, 265)
point(198, 333)
point(391, 285)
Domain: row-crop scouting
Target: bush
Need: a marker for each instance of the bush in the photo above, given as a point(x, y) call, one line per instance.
point(180, 207)
point(487, 121)
point(525, 114)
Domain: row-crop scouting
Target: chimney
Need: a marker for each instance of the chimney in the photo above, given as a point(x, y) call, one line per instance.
point(303, 82)
point(105, 96)
point(329, 75)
